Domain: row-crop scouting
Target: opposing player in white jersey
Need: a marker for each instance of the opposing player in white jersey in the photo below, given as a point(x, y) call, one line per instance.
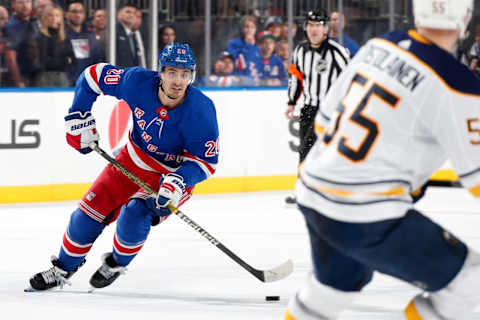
point(401, 108)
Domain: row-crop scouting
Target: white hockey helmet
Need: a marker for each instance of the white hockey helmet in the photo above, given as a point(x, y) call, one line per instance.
point(443, 14)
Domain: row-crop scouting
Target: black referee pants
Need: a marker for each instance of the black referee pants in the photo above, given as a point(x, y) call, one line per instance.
point(307, 131)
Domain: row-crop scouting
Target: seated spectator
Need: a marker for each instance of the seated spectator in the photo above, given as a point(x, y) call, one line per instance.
point(18, 31)
point(244, 51)
point(53, 50)
point(99, 27)
point(85, 47)
point(166, 34)
point(128, 46)
point(271, 70)
point(334, 33)
point(3, 66)
point(282, 51)
point(223, 74)
point(274, 26)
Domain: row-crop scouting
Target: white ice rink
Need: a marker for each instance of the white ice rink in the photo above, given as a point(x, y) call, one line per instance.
point(179, 275)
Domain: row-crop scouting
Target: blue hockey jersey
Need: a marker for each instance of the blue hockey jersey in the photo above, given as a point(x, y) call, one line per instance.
point(183, 140)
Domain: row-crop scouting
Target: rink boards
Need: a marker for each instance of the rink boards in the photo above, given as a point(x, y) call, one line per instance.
point(257, 144)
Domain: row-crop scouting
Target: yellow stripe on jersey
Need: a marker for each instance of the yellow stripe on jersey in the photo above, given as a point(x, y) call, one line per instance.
point(398, 191)
point(411, 313)
point(416, 192)
point(335, 191)
point(319, 129)
point(414, 34)
point(475, 191)
point(288, 316)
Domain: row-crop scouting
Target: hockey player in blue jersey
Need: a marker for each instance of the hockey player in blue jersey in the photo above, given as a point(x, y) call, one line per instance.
point(173, 145)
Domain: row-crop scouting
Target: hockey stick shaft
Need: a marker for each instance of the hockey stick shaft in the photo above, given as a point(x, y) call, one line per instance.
point(264, 276)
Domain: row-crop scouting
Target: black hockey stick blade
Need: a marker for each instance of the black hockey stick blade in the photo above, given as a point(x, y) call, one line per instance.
point(270, 275)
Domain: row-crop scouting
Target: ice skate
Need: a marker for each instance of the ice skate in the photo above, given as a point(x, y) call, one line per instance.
point(51, 278)
point(107, 273)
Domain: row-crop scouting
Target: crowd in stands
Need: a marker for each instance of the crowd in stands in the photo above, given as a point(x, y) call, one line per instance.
point(43, 44)
point(48, 46)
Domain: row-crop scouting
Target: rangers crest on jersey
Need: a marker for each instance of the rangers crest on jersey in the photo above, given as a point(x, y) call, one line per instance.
point(163, 113)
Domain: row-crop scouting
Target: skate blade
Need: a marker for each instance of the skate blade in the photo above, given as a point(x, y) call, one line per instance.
point(30, 289)
point(91, 290)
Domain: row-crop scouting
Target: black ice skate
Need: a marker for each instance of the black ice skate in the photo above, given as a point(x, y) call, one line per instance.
point(51, 278)
point(107, 273)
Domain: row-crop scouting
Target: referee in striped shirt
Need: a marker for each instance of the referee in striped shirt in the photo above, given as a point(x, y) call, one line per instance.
point(317, 63)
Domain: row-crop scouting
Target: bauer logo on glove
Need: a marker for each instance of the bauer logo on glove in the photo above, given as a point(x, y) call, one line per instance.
point(81, 131)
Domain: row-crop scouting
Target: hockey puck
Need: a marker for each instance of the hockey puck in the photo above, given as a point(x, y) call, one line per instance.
point(272, 298)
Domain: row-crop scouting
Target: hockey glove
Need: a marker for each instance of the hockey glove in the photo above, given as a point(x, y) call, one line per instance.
point(171, 190)
point(81, 131)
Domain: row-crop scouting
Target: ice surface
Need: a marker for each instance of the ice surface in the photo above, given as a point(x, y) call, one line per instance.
point(180, 275)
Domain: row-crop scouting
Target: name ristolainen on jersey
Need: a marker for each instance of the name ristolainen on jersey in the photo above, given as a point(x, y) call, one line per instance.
point(397, 68)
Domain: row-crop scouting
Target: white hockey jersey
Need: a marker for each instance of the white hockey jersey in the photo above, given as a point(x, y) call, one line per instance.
point(401, 108)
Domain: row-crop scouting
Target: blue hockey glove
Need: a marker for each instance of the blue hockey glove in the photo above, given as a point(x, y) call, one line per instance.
point(81, 131)
point(171, 190)
point(160, 214)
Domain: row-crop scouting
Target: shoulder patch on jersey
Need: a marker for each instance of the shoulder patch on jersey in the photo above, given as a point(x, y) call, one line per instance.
point(452, 72)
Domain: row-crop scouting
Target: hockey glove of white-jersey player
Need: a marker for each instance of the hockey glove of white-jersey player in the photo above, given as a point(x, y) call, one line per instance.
point(171, 190)
point(81, 130)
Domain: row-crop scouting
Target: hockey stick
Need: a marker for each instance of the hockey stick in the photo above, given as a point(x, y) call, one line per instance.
point(269, 275)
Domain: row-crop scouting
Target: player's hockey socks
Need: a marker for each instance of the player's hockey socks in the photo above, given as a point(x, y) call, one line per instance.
point(81, 130)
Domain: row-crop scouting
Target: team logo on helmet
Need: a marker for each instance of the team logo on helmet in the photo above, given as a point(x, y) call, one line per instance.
point(178, 55)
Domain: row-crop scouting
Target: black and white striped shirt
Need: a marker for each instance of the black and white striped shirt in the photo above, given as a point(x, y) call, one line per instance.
point(313, 70)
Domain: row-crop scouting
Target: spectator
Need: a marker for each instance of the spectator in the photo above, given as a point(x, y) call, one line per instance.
point(281, 50)
point(40, 5)
point(166, 35)
point(295, 36)
point(223, 73)
point(99, 24)
point(3, 66)
point(274, 26)
point(127, 44)
point(18, 30)
point(85, 47)
point(334, 30)
point(272, 72)
point(53, 50)
point(245, 52)
point(471, 56)
point(3, 17)
point(139, 38)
